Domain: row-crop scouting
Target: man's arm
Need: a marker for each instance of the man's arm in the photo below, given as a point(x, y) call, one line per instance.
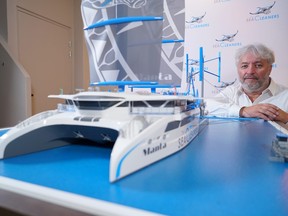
point(222, 108)
point(223, 103)
point(265, 111)
point(282, 117)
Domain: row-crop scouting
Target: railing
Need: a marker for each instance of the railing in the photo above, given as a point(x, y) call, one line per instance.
point(36, 118)
point(65, 108)
point(155, 110)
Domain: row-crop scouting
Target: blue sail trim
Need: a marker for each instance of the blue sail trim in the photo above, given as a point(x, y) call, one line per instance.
point(106, 3)
point(172, 41)
point(107, 83)
point(121, 84)
point(123, 20)
point(153, 87)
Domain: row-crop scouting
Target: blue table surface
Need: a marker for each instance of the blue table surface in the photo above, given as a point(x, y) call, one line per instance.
point(224, 171)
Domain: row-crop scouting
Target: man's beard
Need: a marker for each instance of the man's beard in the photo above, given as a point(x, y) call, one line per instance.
point(259, 85)
point(251, 87)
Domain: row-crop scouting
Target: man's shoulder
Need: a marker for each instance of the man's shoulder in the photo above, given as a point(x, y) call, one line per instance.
point(230, 91)
point(234, 87)
point(278, 88)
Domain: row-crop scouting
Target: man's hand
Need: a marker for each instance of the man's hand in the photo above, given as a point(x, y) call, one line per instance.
point(266, 111)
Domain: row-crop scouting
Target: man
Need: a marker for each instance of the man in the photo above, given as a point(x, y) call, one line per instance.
point(257, 95)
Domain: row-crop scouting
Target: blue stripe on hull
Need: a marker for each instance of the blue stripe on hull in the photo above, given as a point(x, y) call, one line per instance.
point(3, 131)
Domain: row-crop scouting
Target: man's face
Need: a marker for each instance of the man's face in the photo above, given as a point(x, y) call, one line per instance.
point(253, 73)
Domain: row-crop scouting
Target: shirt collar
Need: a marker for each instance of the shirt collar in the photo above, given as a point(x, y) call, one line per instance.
point(272, 88)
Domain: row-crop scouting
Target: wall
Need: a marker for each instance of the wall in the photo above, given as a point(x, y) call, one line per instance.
point(3, 20)
point(15, 89)
point(80, 52)
point(15, 86)
point(15, 75)
point(207, 21)
point(216, 18)
point(65, 13)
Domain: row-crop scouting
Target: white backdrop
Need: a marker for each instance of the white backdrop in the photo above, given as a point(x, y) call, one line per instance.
point(245, 21)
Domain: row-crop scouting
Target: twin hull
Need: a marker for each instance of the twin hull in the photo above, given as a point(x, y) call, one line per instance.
point(136, 140)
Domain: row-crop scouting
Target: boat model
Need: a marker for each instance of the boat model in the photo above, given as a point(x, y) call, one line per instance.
point(143, 51)
point(140, 127)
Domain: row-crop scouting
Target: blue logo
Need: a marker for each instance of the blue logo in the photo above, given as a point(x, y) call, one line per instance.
point(196, 19)
point(227, 37)
point(193, 62)
point(264, 10)
point(262, 14)
point(196, 22)
point(227, 41)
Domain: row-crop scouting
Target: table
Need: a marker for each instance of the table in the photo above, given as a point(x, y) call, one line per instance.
point(225, 170)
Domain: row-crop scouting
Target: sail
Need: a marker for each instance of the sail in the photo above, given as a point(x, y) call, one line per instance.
point(172, 55)
point(124, 39)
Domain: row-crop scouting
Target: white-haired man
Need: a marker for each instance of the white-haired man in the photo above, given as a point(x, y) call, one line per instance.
point(256, 94)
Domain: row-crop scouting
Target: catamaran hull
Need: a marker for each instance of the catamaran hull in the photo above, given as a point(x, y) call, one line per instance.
point(151, 145)
point(140, 128)
point(52, 136)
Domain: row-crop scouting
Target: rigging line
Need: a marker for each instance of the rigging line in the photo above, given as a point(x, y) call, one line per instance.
point(211, 59)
